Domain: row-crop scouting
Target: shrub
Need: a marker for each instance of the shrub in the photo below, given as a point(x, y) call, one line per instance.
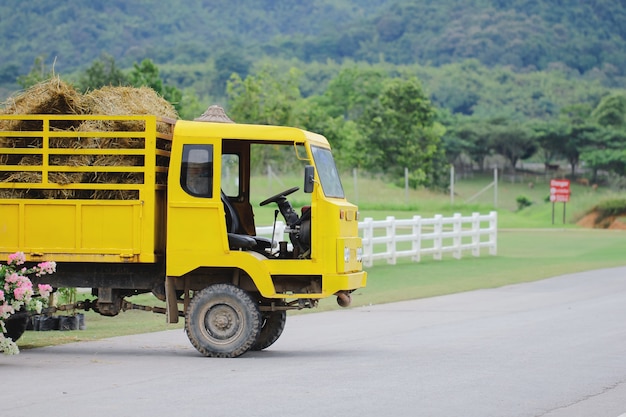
point(522, 202)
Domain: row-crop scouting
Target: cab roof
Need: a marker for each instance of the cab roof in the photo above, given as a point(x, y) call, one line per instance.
point(248, 132)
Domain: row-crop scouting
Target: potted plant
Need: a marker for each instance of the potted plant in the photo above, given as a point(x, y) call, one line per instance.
point(18, 298)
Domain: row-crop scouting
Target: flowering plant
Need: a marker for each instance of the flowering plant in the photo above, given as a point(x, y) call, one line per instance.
point(17, 293)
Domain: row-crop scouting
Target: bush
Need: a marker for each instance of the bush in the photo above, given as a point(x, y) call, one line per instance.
point(522, 202)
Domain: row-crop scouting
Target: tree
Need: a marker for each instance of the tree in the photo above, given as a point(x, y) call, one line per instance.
point(606, 151)
point(102, 72)
point(611, 111)
point(471, 136)
point(228, 63)
point(147, 74)
point(400, 132)
point(343, 135)
point(513, 141)
point(38, 73)
point(266, 98)
point(581, 132)
point(606, 143)
point(553, 138)
point(351, 91)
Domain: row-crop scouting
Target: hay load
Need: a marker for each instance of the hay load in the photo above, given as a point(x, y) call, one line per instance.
point(114, 101)
point(54, 96)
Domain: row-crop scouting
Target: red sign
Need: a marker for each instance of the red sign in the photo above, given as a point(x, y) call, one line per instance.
point(559, 191)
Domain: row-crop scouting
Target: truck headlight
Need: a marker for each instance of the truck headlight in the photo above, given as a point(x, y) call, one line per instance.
point(359, 254)
point(346, 255)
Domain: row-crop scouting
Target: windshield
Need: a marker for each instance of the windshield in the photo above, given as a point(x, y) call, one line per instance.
point(327, 171)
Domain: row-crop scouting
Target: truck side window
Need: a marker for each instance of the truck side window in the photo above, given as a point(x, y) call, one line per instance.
point(196, 176)
point(230, 174)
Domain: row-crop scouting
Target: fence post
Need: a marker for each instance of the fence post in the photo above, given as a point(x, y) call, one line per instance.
point(493, 233)
point(476, 234)
point(390, 237)
point(452, 184)
point(368, 244)
point(437, 241)
point(416, 243)
point(456, 240)
point(355, 177)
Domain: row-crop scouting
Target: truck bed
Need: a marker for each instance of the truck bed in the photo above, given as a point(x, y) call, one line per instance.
point(84, 188)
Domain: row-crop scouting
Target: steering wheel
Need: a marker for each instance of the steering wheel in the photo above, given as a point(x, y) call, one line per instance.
point(275, 198)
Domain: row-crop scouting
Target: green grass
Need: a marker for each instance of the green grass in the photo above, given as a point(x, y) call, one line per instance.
point(523, 256)
point(99, 327)
point(530, 248)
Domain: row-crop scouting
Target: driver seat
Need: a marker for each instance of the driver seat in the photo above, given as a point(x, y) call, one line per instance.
point(236, 239)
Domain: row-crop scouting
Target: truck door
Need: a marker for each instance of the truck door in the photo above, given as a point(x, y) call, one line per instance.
point(195, 222)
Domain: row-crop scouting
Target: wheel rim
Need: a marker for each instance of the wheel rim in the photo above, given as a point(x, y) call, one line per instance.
point(222, 323)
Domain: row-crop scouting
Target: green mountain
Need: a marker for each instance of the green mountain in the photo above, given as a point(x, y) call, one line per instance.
point(583, 36)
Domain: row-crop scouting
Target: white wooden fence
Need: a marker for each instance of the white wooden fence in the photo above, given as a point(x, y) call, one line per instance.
point(393, 238)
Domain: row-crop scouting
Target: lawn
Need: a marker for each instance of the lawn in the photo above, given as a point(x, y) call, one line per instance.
point(523, 256)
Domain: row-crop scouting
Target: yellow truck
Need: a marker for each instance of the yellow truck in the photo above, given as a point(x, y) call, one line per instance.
point(150, 205)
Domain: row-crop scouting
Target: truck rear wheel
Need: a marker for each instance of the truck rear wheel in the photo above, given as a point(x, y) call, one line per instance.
point(271, 329)
point(222, 321)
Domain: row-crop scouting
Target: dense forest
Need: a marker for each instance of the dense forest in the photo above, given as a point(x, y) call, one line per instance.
point(390, 83)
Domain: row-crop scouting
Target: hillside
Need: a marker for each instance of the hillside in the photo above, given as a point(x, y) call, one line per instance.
point(526, 35)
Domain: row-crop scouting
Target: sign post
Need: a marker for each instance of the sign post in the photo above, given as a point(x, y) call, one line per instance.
point(559, 192)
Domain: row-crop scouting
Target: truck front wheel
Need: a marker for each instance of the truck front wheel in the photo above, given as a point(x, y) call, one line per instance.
point(222, 321)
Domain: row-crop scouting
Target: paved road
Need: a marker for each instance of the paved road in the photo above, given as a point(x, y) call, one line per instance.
point(552, 348)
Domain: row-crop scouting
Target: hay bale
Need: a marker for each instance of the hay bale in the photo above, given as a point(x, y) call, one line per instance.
point(53, 96)
point(56, 97)
point(112, 126)
point(129, 100)
point(122, 101)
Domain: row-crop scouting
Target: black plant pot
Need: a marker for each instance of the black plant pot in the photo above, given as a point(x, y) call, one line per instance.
point(75, 322)
point(68, 323)
point(47, 323)
point(81, 321)
point(16, 325)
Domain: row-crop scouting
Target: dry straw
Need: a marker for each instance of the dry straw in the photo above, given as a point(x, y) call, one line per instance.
point(54, 96)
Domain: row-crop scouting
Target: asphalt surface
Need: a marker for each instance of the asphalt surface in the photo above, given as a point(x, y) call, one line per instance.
point(552, 348)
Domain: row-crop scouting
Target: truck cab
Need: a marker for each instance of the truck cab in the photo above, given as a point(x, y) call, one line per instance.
point(211, 226)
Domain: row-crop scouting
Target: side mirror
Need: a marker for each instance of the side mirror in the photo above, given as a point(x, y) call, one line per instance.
point(309, 178)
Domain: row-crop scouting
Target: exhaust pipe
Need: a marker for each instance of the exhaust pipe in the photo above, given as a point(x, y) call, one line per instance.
point(343, 298)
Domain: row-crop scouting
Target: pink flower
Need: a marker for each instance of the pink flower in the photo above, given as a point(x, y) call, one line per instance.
point(23, 292)
point(44, 290)
point(18, 258)
point(7, 309)
point(1, 295)
point(48, 267)
point(12, 278)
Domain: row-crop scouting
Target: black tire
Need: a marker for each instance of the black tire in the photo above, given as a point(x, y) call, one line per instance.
point(271, 329)
point(16, 325)
point(222, 321)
